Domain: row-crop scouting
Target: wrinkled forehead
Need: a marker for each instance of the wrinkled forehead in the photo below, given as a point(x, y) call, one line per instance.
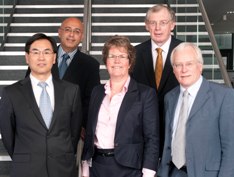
point(163, 13)
point(185, 54)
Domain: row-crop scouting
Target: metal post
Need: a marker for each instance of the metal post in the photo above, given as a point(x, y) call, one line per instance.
point(214, 44)
point(87, 27)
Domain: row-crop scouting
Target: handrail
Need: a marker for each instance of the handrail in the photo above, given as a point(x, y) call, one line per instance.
point(214, 44)
point(8, 26)
point(87, 27)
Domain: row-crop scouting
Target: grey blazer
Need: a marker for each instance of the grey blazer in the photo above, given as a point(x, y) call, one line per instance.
point(209, 132)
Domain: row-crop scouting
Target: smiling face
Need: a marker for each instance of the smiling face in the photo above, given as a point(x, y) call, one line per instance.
point(40, 59)
point(118, 63)
point(186, 66)
point(70, 34)
point(159, 24)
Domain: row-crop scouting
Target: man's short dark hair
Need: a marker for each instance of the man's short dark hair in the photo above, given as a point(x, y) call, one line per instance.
point(40, 36)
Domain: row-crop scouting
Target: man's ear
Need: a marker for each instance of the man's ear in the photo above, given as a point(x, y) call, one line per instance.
point(146, 26)
point(26, 57)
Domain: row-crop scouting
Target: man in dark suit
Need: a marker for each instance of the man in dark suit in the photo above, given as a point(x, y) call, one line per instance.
point(82, 68)
point(40, 127)
point(159, 21)
point(199, 140)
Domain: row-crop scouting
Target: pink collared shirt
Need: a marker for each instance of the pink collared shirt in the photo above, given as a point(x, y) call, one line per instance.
point(106, 124)
point(107, 117)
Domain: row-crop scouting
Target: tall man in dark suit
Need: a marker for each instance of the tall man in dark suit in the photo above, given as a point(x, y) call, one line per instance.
point(40, 125)
point(159, 21)
point(82, 69)
point(199, 139)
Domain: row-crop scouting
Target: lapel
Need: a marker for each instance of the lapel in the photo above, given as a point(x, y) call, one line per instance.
point(129, 98)
point(58, 99)
point(172, 103)
point(97, 101)
point(201, 98)
point(148, 63)
point(73, 65)
point(26, 89)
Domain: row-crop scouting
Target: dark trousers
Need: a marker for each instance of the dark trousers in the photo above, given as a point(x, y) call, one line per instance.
point(108, 167)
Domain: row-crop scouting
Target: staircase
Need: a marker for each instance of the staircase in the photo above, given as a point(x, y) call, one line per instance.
point(109, 17)
point(190, 27)
point(120, 17)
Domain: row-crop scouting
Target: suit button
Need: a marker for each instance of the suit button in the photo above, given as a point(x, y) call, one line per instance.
point(168, 147)
point(116, 144)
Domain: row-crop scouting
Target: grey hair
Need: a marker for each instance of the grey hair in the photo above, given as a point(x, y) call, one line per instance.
point(157, 8)
point(184, 45)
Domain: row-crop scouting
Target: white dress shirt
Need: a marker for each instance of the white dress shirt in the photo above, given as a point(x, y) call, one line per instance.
point(192, 90)
point(165, 49)
point(37, 89)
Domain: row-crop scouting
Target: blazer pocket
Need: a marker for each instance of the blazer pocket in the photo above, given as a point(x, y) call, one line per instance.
point(130, 155)
point(21, 158)
point(212, 166)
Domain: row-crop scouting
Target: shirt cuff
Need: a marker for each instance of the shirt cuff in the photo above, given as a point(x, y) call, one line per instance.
point(85, 168)
point(148, 173)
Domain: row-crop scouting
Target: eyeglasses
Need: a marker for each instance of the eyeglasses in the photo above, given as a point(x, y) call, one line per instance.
point(120, 57)
point(188, 65)
point(37, 53)
point(162, 23)
point(76, 31)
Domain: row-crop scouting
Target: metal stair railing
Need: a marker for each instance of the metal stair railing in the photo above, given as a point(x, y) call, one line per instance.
point(214, 44)
point(8, 26)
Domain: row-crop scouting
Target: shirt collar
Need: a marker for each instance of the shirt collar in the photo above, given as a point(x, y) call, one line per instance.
point(61, 52)
point(35, 81)
point(193, 89)
point(124, 90)
point(164, 47)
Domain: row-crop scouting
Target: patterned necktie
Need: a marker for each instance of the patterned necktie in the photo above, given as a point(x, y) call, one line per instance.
point(159, 66)
point(178, 144)
point(63, 65)
point(45, 104)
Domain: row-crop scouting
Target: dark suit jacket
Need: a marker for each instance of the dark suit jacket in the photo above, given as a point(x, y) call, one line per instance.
point(83, 71)
point(136, 137)
point(35, 150)
point(209, 132)
point(144, 73)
